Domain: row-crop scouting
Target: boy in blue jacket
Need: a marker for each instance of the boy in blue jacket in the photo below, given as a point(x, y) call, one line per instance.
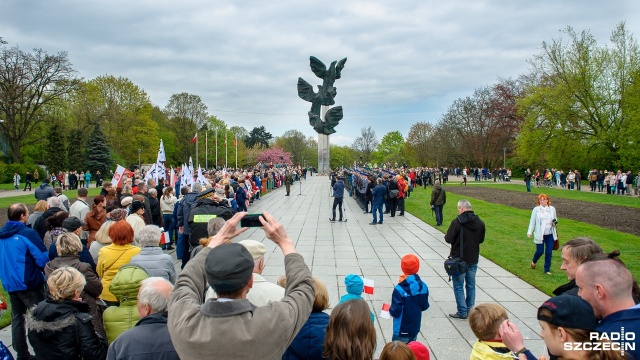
point(410, 298)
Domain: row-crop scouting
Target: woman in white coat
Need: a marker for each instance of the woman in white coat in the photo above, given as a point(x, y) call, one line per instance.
point(543, 227)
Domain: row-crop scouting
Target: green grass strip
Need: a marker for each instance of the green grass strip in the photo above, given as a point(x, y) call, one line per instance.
point(30, 198)
point(506, 241)
point(5, 319)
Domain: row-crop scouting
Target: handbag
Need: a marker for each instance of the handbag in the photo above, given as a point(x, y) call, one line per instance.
point(394, 193)
point(456, 266)
point(556, 242)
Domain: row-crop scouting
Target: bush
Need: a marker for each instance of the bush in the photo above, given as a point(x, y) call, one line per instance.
point(7, 171)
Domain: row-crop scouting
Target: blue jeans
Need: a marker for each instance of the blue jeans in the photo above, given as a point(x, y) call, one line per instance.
point(438, 211)
point(169, 226)
point(465, 303)
point(547, 248)
point(528, 182)
point(404, 339)
point(378, 208)
point(21, 301)
point(180, 246)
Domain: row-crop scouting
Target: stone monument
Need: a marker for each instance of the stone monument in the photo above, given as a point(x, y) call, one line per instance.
point(323, 119)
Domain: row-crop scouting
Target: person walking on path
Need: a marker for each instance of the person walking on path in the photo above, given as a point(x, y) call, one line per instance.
point(438, 199)
point(16, 181)
point(27, 181)
point(543, 228)
point(470, 230)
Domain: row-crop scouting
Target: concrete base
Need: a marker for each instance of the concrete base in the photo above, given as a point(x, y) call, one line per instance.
point(323, 154)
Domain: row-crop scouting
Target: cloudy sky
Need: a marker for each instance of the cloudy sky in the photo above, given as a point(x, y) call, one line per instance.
point(407, 60)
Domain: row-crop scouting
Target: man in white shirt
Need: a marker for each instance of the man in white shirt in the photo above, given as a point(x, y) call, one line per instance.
point(79, 209)
point(262, 291)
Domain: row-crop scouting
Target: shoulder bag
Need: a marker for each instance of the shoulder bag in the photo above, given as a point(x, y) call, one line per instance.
point(456, 266)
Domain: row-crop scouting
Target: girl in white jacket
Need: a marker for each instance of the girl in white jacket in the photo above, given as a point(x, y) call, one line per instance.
point(543, 227)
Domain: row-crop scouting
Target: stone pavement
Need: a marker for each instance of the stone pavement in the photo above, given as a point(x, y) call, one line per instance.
point(333, 250)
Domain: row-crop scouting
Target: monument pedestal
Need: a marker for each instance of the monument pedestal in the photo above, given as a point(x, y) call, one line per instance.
point(323, 154)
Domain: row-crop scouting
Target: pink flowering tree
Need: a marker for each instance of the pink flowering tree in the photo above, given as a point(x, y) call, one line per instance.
point(276, 156)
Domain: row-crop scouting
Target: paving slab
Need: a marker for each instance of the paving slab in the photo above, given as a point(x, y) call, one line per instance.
point(333, 250)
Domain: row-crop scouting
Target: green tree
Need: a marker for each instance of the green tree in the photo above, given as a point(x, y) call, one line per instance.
point(56, 156)
point(75, 148)
point(188, 115)
point(30, 82)
point(420, 145)
point(390, 148)
point(98, 154)
point(295, 143)
point(576, 97)
point(258, 136)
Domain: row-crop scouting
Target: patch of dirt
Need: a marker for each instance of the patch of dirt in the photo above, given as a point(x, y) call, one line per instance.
point(620, 218)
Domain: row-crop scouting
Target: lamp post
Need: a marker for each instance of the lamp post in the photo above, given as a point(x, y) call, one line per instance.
point(139, 164)
point(504, 158)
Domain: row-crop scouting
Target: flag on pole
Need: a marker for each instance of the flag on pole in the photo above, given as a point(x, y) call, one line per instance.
point(201, 179)
point(161, 155)
point(195, 138)
point(151, 173)
point(117, 175)
point(368, 286)
point(235, 141)
point(172, 177)
point(384, 313)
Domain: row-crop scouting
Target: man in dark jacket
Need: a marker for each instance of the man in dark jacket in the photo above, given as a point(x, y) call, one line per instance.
point(338, 197)
point(185, 206)
point(55, 205)
point(22, 248)
point(28, 178)
point(472, 230)
point(574, 252)
point(377, 200)
point(438, 199)
point(210, 204)
point(149, 339)
point(44, 191)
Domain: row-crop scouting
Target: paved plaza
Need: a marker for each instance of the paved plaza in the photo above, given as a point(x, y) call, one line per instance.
point(333, 250)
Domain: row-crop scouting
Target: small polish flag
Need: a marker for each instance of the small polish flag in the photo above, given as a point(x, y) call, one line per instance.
point(195, 138)
point(384, 313)
point(164, 239)
point(368, 286)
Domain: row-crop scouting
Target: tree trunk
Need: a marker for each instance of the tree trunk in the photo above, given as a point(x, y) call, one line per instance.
point(14, 144)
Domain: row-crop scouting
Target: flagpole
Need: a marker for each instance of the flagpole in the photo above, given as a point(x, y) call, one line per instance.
point(206, 149)
point(235, 142)
point(197, 162)
point(225, 151)
point(216, 148)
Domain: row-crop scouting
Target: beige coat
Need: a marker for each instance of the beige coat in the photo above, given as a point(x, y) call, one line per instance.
point(237, 329)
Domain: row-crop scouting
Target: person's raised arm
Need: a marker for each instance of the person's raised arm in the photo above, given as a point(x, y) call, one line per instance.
point(228, 231)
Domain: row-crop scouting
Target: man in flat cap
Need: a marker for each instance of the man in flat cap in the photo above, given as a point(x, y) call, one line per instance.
point(211, 203)
point(230, 327)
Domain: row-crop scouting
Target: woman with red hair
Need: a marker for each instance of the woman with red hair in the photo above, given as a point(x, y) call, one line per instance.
point(543, 228)
point(112, 257)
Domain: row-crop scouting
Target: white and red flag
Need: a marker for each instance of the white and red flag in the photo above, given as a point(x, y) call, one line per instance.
point(384, 313)
point(368, 286)
point(195, 138)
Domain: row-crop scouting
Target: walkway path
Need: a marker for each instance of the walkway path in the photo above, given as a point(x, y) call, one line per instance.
point(333, 250)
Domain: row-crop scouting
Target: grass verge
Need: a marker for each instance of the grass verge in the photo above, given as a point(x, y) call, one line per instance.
point(29, 198)
point(507, 245)
point(599, 198)
point(5, 319)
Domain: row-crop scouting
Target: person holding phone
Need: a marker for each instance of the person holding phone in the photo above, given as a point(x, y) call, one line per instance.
point(543, 228)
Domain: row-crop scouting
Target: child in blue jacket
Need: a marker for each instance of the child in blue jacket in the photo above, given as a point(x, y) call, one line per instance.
point(410, 298)
point(355, 286)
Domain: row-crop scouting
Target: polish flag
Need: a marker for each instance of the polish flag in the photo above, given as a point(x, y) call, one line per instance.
point(384, 313)
point(164, 238)
point(195, 138)
point(368, 286)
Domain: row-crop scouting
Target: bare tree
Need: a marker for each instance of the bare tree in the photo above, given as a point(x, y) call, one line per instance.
point(188, 114)
point(29, 83)
point(366, 143)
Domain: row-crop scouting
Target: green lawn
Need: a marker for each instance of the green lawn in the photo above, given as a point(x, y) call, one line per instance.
point(507, 245)
point(584, 195)
point(29, 197)
point(5, 319)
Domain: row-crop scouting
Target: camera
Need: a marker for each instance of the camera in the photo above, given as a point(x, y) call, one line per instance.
point(251, 220)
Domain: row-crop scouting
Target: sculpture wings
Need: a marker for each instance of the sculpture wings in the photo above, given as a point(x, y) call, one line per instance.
point(325, 95)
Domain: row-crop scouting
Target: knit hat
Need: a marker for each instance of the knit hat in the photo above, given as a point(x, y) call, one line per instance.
point(136, 205)
point(419, 350)
point(354, 284)
point(570, 312)
point(410, 264)
point(229, 267)
point(255, 248)
point(118, 214)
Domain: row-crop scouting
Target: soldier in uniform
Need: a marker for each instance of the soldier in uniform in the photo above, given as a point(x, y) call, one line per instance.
point(288, 179)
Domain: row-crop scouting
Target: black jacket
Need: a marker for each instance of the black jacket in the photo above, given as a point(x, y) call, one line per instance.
point(198, 227)
point(569, 288)
point(156, 215)
point(149, 339)
point(473, 236)
point(63, 330)
point(40, 226)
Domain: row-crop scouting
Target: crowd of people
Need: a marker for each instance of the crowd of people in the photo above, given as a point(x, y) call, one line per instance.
point(611, 182)
point(112, 292)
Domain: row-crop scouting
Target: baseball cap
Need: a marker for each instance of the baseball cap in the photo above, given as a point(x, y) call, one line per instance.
point(229, 267)
point(569, 311)
point(72, 223)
